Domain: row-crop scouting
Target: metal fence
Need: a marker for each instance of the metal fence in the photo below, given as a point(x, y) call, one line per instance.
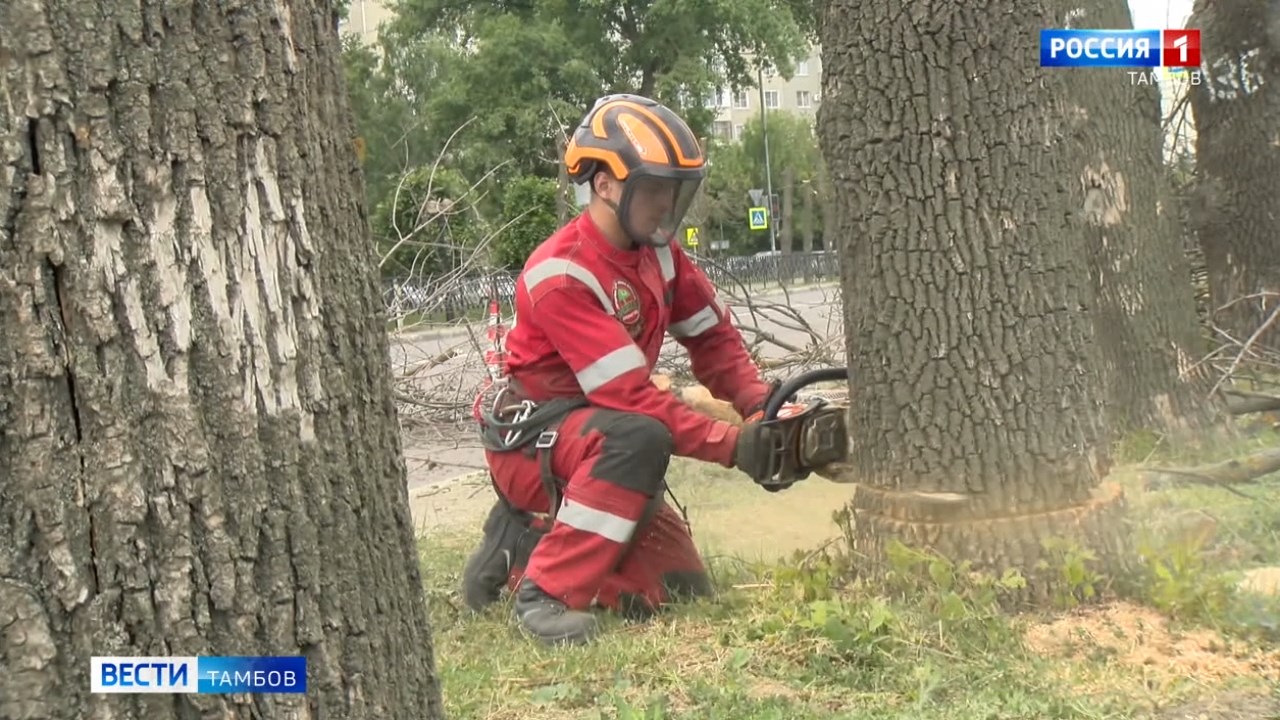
point(452, 298)
point(756, 272)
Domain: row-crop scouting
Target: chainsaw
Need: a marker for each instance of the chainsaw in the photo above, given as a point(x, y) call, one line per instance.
point(812, 435)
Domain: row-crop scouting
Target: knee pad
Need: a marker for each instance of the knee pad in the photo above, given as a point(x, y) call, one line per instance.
point(635, 452)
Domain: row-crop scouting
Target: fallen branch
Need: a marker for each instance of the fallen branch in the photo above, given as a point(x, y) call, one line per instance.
point(1236, 471)
point(1248, 344)
point(1243, 403)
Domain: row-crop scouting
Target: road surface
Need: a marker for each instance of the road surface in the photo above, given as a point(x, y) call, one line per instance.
point(446, 371)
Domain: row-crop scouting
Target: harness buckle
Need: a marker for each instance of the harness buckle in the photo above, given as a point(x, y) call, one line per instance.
point(546, 439)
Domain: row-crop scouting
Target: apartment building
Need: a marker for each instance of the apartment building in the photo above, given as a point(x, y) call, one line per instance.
point(364, 17)
point(800, 94)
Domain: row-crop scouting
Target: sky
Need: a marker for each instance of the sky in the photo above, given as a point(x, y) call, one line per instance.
point(1159, 14)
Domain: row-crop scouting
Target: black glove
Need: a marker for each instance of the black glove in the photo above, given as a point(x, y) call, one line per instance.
point(759, 455)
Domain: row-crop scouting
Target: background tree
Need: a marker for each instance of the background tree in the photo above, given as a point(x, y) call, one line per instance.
point(514, 90)
point(1236, 214)
point(530, 70)
point(200, 451)
point(737, 167)
point(529, 217)
point(387, 85)
point(1144, 307)
point(793, 147)
point(429, 223)
point(966, 286)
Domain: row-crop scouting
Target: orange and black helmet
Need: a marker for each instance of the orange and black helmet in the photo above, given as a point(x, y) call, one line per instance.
point(629, 135)
point(651, 151)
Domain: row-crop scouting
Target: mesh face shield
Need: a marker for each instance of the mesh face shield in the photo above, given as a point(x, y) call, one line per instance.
point(652, 207)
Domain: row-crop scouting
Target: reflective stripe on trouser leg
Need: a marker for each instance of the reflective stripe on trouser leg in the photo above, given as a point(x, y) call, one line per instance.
point(615, 463)
point(571, 562)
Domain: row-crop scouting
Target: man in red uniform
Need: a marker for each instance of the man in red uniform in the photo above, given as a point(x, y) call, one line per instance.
point(592, 307)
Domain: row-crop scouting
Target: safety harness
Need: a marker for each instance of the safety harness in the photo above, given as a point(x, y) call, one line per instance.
point(533, 429)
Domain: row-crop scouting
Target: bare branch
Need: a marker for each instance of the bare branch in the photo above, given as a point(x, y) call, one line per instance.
point(1236, 471)
point(1243, 403)
point(1271, 319)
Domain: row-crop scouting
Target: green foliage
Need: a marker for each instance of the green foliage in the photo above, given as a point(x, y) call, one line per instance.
point(738, 167)
point(385, 85)
point(1181, 583)
point(509, 99)
point(639, 45)
point(498, 110)
point(1071, 564)
point(792, 144)
point(532, 69)
point(426, 223)
point(528, 218)
point(725, 205)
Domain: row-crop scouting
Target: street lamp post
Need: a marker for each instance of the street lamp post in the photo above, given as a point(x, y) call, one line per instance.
point(768, 171)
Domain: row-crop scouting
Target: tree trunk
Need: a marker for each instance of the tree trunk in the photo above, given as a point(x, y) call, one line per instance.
point(810, 217)
point(1236, 215)
point(966, 289)
point(200, 452)
point(827, 207)
point(563, 187)
point(1145, 307)
point(786, 224)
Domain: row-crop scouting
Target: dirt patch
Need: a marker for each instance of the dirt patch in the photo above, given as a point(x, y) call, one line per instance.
point(440, 455)
point(456, 505)
point(1140, 638)
point(1234, 705)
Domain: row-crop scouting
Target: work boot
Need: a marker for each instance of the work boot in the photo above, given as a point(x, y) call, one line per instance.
point(550, 620)
point(508, 542)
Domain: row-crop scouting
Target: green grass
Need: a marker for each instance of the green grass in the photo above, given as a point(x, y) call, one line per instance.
point(790, 638)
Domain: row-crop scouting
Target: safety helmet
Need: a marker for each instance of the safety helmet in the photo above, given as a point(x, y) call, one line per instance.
point(651, 151)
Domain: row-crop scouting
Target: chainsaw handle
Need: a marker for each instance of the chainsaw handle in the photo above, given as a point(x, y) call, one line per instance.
point(790, 387)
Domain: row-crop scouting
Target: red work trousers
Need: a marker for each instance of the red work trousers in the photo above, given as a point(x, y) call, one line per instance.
point(611, 464)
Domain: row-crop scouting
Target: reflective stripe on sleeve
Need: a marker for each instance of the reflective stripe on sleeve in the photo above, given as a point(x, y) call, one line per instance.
point(610, 367)
point(588, 519)
point(559, 267)
point(695, 324)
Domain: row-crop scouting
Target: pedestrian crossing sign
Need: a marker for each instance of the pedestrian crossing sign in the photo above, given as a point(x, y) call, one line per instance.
point(691, 237)
point(759, 218)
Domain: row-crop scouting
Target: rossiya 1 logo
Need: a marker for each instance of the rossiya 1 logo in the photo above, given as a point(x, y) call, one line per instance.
point(1175, 51)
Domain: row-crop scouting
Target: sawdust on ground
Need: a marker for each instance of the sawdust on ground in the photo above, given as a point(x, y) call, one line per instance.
point(1141, 638)
point(1262, 581)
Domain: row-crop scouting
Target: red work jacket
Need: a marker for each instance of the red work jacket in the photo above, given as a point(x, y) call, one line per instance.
point(591, 319)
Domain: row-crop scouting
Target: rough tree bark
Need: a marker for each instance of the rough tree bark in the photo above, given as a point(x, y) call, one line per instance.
point(977, 413)
point(1236, 213)
point(199, 451)
point(1145, 305)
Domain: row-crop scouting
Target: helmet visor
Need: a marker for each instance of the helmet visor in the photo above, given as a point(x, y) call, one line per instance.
point(652, 208)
